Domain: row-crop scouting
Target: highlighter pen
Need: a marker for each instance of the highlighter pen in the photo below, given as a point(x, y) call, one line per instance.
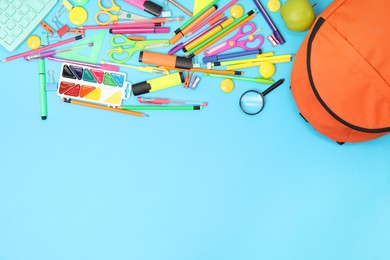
point(151, 107)
point(42, 82)
point(181, 45)
point(237, 23)
point(147, 6)
point(209, 34)
point(165, 60)
point(219, 57)
point(181, 32)
point(156, 84)
point(140, 30)
point(275, 32)
point(214, 17)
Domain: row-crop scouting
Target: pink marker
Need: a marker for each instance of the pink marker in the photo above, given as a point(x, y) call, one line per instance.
point(214, 16)
point(120, 25)
point(140, 30)
point(165, 101)
point(147, 6)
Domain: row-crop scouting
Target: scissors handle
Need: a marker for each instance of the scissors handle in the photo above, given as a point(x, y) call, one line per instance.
point(113, 7)
point(244, 44)
point(119, 40)
point(120, 55)
point(100, 18)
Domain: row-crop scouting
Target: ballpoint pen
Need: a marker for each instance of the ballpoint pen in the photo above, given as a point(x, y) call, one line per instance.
point(45, 54)
point(147, 69)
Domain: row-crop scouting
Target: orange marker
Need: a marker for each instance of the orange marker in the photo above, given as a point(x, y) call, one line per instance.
point(207, 35)
point(181, 32)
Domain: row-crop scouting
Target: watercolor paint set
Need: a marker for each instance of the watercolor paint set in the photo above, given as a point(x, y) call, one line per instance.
point(93, 85)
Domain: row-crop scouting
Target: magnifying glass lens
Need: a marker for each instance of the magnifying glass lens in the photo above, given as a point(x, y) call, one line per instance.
point(251, 102)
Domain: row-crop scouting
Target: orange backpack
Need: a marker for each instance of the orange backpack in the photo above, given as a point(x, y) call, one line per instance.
point(341, 73)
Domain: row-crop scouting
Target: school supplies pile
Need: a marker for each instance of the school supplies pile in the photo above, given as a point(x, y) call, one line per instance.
point(341, 75)
point(223, 36)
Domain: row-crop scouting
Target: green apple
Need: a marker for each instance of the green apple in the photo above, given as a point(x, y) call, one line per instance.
point(298, 15)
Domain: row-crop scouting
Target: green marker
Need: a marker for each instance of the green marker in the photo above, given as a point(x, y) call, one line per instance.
point(42, 82)
point(146, 107)
point(190, 54)
point(195, 16)
point(257, 79)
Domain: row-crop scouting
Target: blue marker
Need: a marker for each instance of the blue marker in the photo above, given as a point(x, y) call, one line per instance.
point(227, 56)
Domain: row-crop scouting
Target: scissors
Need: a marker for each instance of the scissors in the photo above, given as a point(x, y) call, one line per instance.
point(101, 17)
point(234, 41)
point(119, 41)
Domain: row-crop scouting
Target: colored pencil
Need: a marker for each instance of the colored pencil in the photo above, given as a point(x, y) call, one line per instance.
point(157, 107)
point(51, 46)
point(198, 49)
point(200, 70)
point(268, 56)
point(129, 112)
point(256, 63)
point(214, 16)
point(181, 32)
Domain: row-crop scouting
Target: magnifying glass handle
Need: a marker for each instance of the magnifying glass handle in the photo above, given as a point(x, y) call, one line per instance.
point(273, 86)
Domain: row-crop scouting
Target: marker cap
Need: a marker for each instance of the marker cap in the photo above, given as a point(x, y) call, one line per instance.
point(153, 8)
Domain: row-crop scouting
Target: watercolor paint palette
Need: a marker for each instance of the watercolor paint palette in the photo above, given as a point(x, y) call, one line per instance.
point(93, 85)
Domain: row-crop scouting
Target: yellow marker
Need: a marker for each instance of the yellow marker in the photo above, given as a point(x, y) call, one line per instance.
point(160, 83)
point(256, 63)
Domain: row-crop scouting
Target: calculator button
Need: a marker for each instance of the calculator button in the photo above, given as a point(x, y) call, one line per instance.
point(10, 11)
point(10, 24)
point(3, 18)
point(17, 3)
point(24, 9)
point(31, 15)
point(2, 34)
point(17, 31)
point(9, 39)
point(3, 5)
point(36, 5)
point(17, 17)
point(24, 23)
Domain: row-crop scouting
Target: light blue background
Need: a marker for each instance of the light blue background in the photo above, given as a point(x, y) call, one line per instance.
point(212, 184)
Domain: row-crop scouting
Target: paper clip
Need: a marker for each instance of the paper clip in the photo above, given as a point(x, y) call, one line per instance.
point(51, 85)
point(46, 39)
point(48, 28)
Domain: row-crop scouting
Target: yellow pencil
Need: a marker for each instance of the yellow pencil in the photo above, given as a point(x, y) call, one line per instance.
point(258, 58)
point(209, 71)
point(256, 63)
point(129, 112)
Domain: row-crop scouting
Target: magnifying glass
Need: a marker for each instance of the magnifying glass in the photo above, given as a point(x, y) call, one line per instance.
point(252, 101)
